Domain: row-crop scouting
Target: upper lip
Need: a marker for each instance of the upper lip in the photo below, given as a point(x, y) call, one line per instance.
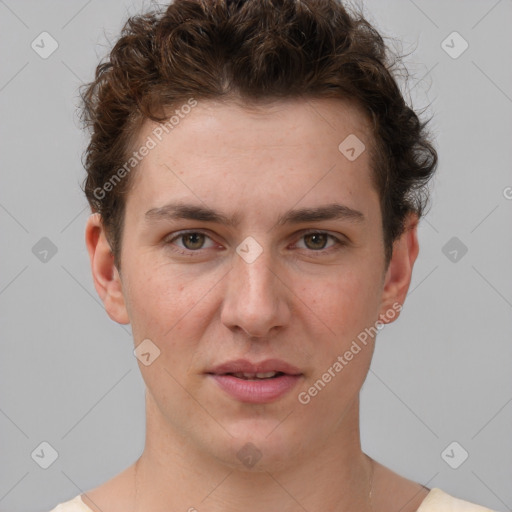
point(244, 366)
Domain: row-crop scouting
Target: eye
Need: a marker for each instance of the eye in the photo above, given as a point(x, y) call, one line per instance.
point(316, 241)
point(191, 241)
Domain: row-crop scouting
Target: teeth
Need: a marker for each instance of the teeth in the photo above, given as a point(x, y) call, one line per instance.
point(266, 375)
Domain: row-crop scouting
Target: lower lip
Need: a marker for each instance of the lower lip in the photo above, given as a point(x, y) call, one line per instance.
point(256, 391)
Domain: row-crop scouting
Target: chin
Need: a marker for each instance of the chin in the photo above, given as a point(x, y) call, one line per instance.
point(260, 445)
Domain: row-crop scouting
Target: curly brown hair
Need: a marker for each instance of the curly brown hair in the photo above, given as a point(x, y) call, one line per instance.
point(257, 50)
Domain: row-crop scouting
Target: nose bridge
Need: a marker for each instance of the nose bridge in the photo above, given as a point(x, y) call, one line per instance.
point(255, 300)
point(257, 278)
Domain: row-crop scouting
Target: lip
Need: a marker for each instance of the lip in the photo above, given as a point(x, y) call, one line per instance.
point(256, 391)
point(243, 365)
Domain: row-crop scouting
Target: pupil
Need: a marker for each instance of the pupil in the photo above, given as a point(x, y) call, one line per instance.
point(317, 236)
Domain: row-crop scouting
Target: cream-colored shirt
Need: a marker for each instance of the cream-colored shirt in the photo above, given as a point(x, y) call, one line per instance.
point(436, 501)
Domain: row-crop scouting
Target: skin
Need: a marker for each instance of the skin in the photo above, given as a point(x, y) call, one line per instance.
point(293, 303)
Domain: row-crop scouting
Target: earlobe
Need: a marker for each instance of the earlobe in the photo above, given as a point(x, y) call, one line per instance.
point(107, 280)
point(399, 272)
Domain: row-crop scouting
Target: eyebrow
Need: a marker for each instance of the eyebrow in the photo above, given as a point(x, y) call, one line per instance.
point(182, 211)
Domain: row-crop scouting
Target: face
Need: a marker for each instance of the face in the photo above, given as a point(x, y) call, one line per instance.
point(250, 236)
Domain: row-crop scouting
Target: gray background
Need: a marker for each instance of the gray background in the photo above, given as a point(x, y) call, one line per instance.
point(441, 373)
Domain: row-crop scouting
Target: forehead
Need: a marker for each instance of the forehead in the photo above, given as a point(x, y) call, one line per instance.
point(279, 149)
point(294, 119)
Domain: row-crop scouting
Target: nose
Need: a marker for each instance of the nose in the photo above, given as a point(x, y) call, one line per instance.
point(257, 299)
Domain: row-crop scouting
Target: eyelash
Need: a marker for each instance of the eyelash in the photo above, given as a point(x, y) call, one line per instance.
point(339, 243)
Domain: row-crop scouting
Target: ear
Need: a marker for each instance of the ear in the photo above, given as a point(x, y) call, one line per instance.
point(399, 272)
point(107, 280)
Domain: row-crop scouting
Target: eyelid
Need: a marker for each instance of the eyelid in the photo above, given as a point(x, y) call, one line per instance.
point(178, 234)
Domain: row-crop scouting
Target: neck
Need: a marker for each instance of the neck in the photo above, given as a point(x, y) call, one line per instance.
point(173, 474)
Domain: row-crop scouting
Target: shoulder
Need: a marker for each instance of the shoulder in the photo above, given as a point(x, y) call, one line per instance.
point(74, 505)
point(439, 501)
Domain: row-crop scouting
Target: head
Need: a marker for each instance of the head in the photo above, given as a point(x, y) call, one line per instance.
point(249, 118)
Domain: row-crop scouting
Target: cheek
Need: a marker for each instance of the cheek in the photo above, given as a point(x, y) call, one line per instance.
point(346, 303)
point(164, 310)
point(341, 358)
point(164, 302)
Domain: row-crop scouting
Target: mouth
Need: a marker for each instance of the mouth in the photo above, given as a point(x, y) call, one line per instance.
point(256, 382)
point(255, 376)
point(242, 368)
